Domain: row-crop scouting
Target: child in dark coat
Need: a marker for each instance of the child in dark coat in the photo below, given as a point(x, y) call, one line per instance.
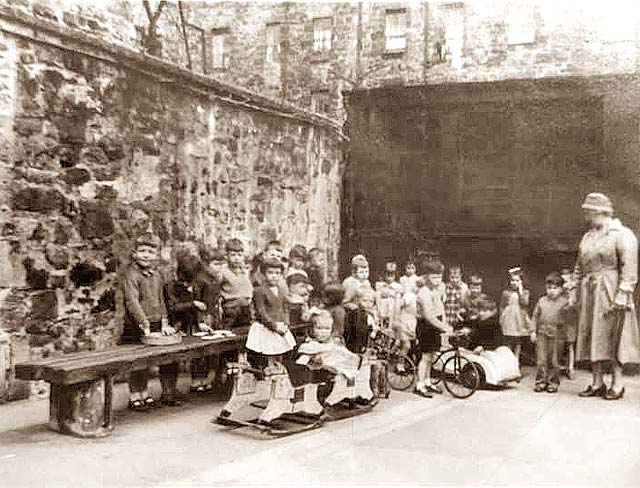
point(269, 336)
point(144, 289)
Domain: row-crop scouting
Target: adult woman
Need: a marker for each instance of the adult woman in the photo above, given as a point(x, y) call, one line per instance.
point(606, 273)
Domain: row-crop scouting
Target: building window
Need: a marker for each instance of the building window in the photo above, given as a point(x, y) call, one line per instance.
point(321, 102)
point(218, 42)
point(273, 43)
point(322, 34)
point(395, 31)
point(521, 25)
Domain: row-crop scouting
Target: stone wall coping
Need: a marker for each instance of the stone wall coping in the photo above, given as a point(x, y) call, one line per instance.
point(21, 24)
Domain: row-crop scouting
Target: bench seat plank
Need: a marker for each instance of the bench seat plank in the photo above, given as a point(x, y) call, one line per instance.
point(89, 365)
point(34, 370)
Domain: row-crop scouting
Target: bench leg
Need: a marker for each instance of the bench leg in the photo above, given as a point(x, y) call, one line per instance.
point(84, 409)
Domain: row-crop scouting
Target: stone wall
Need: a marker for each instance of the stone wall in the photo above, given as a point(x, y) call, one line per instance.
point(98, 145)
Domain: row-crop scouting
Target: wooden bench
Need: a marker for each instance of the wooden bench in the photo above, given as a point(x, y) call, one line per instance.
point(80, 402)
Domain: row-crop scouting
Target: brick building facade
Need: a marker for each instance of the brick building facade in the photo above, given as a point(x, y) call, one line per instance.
point(309, 53)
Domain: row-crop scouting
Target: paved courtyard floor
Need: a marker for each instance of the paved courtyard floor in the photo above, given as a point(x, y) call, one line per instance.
point(512, 436)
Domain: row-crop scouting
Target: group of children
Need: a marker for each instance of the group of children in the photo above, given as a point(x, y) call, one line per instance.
point(419, 309)
point(224, 290)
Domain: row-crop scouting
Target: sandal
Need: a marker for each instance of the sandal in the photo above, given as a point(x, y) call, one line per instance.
point(423, 392)
point(137, 405)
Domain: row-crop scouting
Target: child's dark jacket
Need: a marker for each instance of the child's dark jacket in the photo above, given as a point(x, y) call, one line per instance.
point(269, 307)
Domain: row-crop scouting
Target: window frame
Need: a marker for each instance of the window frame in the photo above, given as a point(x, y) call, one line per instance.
point(326, 100)
point(514, 20)
point(323, 39)
point(223, 33)
point(271, 48)
point(388, 35)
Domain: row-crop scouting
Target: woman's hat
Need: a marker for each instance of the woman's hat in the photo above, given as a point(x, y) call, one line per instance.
point(515, 271)
point(598, 202)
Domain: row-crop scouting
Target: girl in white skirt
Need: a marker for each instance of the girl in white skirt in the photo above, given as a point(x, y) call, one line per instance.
point(269, 336)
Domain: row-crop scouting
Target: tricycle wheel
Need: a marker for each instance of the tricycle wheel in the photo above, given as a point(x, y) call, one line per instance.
point(461, 377)
point(402, 372)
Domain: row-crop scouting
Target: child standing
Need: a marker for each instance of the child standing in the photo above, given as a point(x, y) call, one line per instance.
point(431, 325)
point(145, 312)
point(269, 336)
point(316, 273)
point(356, 326)
point(548, 321)
point(409, 280)
point(273, 250)
point(187, 311)
point(456, 292)
point(514, 316)
point(297, 261)
point(332, 297)
point(570, 321)
point(485, 329)
point(235, 288)
point(388, 292)
point(470, 306)
point(298, 289)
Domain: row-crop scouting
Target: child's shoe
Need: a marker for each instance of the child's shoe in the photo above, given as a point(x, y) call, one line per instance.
point(135, 402)
point(434, 389)
point(421, 390)
point(170, 401)
point(571, 375)
point(552, 388)
point(540, 387)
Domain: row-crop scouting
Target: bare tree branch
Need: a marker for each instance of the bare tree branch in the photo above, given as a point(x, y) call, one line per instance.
point(147, 8)
point(184, 33)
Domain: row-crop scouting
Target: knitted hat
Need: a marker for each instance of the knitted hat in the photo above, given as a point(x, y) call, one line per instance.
point(271, 263)
point(360, 261)
point(475, 280)
point(148, 239)
point(598, 202)
point(298, 252)
point(296, 278)
point(517, 271)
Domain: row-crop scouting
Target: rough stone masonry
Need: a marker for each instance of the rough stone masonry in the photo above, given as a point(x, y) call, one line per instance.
point(98, 145)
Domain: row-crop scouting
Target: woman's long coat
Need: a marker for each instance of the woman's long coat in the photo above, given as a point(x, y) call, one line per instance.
point(607, 265)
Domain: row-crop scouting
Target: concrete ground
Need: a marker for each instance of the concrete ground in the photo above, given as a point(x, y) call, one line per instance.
point(512, 436)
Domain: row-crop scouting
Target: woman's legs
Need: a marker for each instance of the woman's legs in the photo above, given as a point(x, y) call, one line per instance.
point(618, 382)
point(571, 360)
point(597, 375)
